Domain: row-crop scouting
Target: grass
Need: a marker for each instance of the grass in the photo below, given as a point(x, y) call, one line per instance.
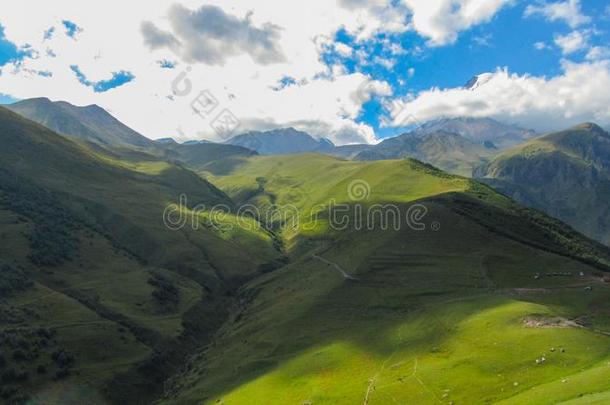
point(97, 297)
point(433, 317)
point(426, 316)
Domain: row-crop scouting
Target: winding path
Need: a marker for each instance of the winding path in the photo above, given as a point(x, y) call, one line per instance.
point(340, 269)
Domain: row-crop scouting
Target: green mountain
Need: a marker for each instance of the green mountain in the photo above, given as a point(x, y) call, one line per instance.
point(107, 135)
point(321, 280)
point(449, 151)
point(91, 123)
point(565, 174)
point(99, 296)
point(488, 302)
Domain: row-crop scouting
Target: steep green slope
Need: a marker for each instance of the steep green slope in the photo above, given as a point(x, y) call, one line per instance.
point(566, 174)
point(461, 310)
point(100, 300)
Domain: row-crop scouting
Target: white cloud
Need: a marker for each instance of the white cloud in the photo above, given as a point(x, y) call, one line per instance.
point(598, 53)
point(321, 102)
point(241, 67)
point(568, 11)
point(343, 49)
point(573, 42)
point(482, 40)
point(442, 20)
point(387, 63)
point(209, 35)
point(541, 46)
point(534, 102)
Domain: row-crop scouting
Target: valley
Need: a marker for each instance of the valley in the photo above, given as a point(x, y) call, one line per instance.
point(388, 202)
point(347, 281)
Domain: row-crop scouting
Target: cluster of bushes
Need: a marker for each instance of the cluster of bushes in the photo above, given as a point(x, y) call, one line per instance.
point(166, 294)
point(26, 345)
point(25, 353)
point(63, 360)
point(51, 240)
point(13, 395)
point(13, 280)
point(16, 315)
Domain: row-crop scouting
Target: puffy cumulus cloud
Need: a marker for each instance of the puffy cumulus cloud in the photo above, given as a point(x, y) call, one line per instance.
point(374, 16)
point(573, 42)
point(155, 38)
point(533, 102)
point(343, 49)
point(209, 35)
point(568, 11)
point(598, 53)
point(223, 49)
point(321, 100)
point(442, 20)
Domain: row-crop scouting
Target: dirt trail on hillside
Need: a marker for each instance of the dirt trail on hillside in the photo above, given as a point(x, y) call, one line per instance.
point(340, 269)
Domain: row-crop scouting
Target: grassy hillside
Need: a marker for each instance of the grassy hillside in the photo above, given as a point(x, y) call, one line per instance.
point(471, 298)
point(462, 311)
point(99, 298)
point(566, 174)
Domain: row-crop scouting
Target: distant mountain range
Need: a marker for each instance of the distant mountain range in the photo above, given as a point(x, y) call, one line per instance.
point(446, 150)
point(283, 141)
point(566, 174)
point(457, 145)
point(484, 131)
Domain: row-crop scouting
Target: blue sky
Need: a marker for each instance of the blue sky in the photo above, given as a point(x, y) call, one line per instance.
point(350, 70)
point(506, 41)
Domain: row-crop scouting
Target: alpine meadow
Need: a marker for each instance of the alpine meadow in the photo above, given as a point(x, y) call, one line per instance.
point(329, 202)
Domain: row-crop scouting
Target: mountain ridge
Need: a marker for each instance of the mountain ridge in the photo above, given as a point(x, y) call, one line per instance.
point(564, 173)
point(281, 141)
point(90, 123)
